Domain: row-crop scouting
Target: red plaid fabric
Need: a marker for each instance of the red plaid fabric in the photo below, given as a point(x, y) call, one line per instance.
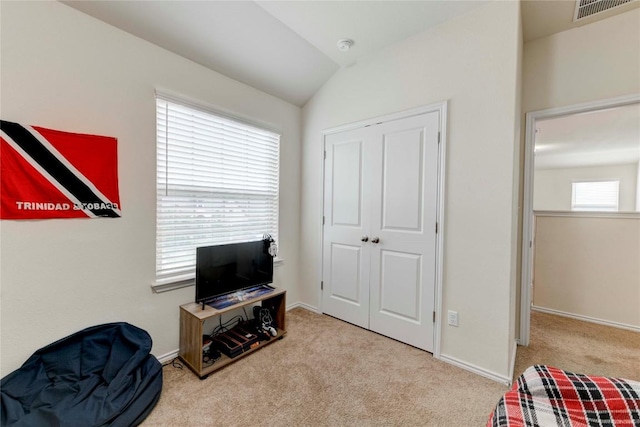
point(546, 396)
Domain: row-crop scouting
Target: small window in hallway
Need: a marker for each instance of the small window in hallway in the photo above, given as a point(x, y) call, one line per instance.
point(595, 196)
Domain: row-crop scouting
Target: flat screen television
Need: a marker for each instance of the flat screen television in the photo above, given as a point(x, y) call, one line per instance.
point(223, 269)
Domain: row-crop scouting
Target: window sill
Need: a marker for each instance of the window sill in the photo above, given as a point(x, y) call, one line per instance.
point(159, 288)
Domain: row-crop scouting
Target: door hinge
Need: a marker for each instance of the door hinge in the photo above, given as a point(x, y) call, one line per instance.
point(436, 228)
point(322, 285)
point(438, 137)
point(325, 154)
point(322, 219)
point(434, 317)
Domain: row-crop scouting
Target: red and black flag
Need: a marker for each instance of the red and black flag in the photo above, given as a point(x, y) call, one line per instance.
point(46, 173)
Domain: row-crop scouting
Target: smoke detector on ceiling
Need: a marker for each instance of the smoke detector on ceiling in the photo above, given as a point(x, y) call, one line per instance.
point(345, 44)
point(586, 8)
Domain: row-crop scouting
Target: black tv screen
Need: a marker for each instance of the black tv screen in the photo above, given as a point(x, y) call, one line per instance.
point(223, 269)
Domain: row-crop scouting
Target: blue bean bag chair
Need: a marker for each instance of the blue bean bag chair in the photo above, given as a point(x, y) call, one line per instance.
point(100, 376)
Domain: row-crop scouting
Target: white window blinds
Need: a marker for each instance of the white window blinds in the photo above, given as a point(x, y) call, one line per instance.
point(595, 196)
point(217, 183)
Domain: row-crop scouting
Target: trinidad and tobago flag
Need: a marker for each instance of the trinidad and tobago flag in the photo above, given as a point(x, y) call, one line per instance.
point(47, 173)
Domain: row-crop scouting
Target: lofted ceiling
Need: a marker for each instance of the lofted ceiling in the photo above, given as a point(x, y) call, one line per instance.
point(288, 48)
point(285, 48)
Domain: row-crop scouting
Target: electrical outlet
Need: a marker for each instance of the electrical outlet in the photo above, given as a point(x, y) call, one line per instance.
point(452, 317)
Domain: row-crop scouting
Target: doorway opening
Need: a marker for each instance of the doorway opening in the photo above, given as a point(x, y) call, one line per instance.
point(566, 156)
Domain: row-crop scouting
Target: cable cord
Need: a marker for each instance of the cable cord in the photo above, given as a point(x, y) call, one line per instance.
point(175, 362)
point(229, 324)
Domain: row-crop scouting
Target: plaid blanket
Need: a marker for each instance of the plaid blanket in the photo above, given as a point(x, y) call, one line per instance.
point(546, 396)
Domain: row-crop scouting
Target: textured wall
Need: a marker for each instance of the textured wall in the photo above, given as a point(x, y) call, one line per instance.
point(588, 266)
point(64, 70)
point(472, 62)
point(552, 187)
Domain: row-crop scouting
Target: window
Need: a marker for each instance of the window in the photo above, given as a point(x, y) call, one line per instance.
point(595, 196)
point(217, 183)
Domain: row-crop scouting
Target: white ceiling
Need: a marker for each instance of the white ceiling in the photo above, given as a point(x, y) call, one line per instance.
point(603, 137)
point(284, 48)
point(288, 48)
point(372, 25)
point(236, 38)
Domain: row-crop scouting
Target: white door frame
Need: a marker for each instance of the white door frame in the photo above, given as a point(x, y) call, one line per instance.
point(441, 107)
point(527, 212)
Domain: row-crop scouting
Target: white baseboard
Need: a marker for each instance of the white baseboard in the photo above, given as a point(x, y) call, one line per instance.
point(586, 318)
point(303, 305)
point(476, 369)
point(167, 357)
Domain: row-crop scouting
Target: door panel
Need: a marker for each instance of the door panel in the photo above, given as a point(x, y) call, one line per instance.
point(346, 258)
point(400, 284)
point(401, 178)
point(346, 181)
point(345, 272)
point(381, 182)
point(403, 217)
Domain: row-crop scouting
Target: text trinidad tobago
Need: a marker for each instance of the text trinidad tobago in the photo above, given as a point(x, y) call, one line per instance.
point(44, 206)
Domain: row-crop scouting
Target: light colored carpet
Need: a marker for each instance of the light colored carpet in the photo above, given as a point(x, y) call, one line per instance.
point(581, 347)
point(329, 373)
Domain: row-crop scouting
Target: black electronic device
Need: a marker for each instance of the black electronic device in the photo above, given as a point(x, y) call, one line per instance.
point(224, 269)
point(236, 340)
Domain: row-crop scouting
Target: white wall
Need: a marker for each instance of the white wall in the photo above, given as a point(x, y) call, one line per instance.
point(552, 187)
point(64, 70)
point(597, 61)
point(471, 61)
point(588, 266)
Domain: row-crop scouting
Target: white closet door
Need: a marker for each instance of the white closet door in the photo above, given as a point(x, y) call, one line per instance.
point(346, 256)
point(380, 199)
point(403, 218)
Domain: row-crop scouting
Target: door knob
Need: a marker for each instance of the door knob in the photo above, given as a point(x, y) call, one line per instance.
point(365, 238)
point(375, 240)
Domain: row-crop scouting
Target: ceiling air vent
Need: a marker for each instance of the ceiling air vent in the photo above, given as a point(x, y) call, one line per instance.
point(586, 8)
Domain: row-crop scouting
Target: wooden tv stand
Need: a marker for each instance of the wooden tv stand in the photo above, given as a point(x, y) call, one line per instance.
point(193, 316)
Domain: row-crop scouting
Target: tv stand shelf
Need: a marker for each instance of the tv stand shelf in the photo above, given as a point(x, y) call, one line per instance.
point(193, 317)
